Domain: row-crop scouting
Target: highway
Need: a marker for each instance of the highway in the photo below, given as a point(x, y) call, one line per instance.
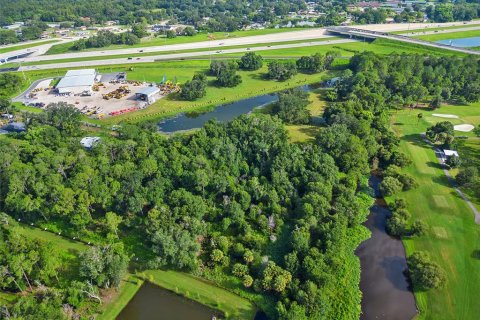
point(362, 33)
point(303, 35)
point(176, 56)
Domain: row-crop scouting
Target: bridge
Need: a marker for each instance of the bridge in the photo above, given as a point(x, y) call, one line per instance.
point(14, 55)
point(361, 33)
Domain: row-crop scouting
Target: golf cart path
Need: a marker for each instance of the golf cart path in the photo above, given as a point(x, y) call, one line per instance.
point(441, 159)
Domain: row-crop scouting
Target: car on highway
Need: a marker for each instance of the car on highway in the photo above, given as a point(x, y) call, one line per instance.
point(129, 58)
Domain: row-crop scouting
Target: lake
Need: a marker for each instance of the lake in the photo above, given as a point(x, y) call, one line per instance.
point(152, 302)
point(462, 42)
point(385, 289)
point(222, 113)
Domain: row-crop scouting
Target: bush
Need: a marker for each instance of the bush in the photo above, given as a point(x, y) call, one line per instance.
point(424, 273)
point(467, 175)
point(390, 186)
point(452, 161)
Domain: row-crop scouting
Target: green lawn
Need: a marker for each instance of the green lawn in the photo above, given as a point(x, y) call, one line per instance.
point(204, 292)
point(450, 35)
point(161, 41)
point(453, 238)
point(26, 46)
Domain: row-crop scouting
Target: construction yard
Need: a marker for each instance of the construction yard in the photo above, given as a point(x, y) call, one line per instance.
point(107, 97)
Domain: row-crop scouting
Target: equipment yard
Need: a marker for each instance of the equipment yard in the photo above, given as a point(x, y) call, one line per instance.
point(106, 98)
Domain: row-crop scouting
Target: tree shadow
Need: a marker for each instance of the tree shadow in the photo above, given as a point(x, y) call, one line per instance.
point(435, 164)
point(476, 254)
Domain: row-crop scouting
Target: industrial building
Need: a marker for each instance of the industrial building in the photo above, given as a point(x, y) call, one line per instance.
point(77, 82)
point(148, 94)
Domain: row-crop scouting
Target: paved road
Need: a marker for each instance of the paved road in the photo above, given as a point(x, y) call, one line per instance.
point(441, 159)
point(36, 51)
point(177, 55)
point(303, 35)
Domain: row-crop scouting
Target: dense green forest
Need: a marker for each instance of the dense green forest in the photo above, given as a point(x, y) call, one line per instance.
point(235, 200)
point(227, 15)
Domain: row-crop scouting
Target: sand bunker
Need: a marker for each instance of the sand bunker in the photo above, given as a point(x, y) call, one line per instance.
point(463, 127)
point(441, 115)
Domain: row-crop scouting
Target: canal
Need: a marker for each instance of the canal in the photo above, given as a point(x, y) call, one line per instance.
point(222, 113)
point(385, 289)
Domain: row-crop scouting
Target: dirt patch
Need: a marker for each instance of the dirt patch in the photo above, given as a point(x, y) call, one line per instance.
point(440, 232)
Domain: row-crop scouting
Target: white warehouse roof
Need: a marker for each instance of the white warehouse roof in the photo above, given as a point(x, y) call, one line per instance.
point(77, 79)
point(449, 153)
point(149, 91)
point(82, 72)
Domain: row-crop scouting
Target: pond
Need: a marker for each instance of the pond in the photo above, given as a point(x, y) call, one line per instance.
point(386, 292)
point(462, 42)
point(153, 302)
point(222, 113)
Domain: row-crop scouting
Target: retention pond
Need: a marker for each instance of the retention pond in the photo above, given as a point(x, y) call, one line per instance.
point(386, 292)
point(153, 302)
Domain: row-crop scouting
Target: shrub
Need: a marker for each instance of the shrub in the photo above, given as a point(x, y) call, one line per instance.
point(390, 186)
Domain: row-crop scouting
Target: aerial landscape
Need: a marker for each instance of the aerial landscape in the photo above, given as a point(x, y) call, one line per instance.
point(239, 159)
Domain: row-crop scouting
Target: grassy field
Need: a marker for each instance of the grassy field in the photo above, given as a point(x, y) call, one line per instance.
point(204, 292)
point(161, 41)
point(305, 133)
point(453, 238)
point(450, 35)
point(26, 46)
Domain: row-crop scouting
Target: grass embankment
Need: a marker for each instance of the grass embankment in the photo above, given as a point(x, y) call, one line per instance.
point(450, 35)
point(232, 305)
point(453, 238)
point(161, 41)
point(26, 46)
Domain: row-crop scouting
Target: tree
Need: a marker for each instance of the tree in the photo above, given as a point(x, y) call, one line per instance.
point(390, 186)
point(251, 61)
point(281, 70)
point(477, 130)
point(311, 64)
point(112, 221)
point(139, 30)
point(292, 107)
point(275, 278)
point(189, 31)
point(441, 132)
point(452, 161)
point(171, 34)
point(228, 77)
point(436, 102)
point(194, 89)
point(419, 228)
point(424, 273)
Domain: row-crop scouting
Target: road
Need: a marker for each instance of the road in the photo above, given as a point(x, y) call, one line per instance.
point(303, 35)
point(176, 56)
point(33, 52)
point(363, 33)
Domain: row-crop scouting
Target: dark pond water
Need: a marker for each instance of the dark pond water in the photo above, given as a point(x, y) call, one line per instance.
point(462, 42)
point(154, 303)
point(386, 293)
point(222, 113)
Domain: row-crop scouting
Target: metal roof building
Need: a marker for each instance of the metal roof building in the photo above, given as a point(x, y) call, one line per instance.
point(77, 81)
point(148, 94)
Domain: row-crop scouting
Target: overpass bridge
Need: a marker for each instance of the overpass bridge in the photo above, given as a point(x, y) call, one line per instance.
point(13, 56)
point(369, 34)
